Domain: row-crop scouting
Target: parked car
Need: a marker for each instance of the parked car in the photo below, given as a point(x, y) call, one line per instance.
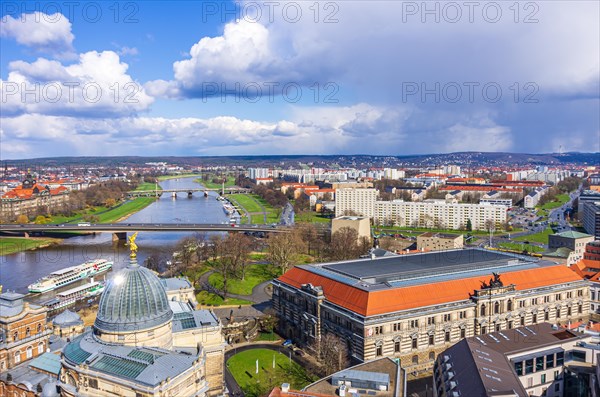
point(287, 342)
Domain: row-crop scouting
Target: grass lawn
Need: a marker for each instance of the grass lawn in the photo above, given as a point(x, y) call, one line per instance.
point(125, 209)
point(311, 217)
point(11, 245)
point(541, 237)
point(209, 299)
point(247, 201)
point(167, 177)
point(255, 274)
point(257, 256)
point(147, 186)
point(561, 199)
point(267, 336)
point(229, 181)
point(272, 213)
point(521, 247)
point(243, 368)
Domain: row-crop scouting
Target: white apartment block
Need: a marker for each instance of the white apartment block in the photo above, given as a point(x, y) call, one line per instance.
point(359, 202)
point(254, 173)
point(438, 213)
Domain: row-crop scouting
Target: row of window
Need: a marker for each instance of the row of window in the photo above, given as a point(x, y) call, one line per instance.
point(29, 352)
point(27, 332)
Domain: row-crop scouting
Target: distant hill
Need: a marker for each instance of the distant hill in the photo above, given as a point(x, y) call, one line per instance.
point(360, 160)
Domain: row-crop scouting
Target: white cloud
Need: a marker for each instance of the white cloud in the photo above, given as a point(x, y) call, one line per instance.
point(45, 33)
point(96, 86)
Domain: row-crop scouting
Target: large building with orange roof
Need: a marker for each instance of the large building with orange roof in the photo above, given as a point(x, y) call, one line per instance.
point(412, 307)
point(30, 197)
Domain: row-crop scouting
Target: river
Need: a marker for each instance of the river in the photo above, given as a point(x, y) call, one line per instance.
point(19, 270)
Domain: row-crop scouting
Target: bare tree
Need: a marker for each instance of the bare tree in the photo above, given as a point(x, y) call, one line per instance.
point(344, 244)
point(284, 249)
point(332, 353)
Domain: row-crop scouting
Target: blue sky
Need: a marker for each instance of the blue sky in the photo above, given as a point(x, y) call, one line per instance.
point(298, 77)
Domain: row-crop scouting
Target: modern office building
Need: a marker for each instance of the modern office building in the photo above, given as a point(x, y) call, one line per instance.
point(591, 218)
point(412, 307)
point(438, 213)
point(540, 360)
point(359, 202)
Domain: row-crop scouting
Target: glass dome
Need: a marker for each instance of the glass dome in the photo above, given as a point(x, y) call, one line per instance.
point(133, 300)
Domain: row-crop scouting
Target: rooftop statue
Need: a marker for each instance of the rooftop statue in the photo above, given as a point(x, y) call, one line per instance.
point(133, 246)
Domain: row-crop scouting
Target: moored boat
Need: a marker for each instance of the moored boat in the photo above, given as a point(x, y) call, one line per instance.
point(68, 275)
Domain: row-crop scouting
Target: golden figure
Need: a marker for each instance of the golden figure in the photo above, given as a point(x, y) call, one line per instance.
point(133, 246)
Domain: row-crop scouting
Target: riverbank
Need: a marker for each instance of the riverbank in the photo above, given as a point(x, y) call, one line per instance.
point(12, 245)
point(167, 177)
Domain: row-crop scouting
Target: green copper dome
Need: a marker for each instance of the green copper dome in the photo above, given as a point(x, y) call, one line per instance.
point(133, 300)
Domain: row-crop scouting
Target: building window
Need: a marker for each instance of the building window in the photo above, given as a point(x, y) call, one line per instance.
point(379, 330)
point(519, 368)
point(93, 383)
point(430, 320)
point(569, 294)
point(546, 316)
point(415, 343)
point(539, 364)
point(447, 317)
point(510, 325)
point(397, 346)
point(40, 348)
point(556, 374)
point(509, 305)
point(534, 301)
point(550, 361)
point(16, 336)
point(447, 336)
point(529, 366)
point(462, 333)
point(497, 308)
point(522, 320)
point(414, 323)
point(593, 295)
point(29, 352)
point(482, 310)
point(560, 359)
point(557, 314)
point(17, 356)
point(379, 350)
point(431, 339)
point(534, 318)
point(546, 299)
point(568, 311)
point(579, 292)
point(415, 359)
point(431, 356)
point(557, 297)
point(580, 309)
point(462, 314)
point(27, 332)
point(39, 328)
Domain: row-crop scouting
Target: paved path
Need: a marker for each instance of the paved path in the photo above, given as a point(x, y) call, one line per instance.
point(259, 293)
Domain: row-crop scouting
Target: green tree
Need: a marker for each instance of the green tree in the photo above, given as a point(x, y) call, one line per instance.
point(40, 220)
point(469, 225)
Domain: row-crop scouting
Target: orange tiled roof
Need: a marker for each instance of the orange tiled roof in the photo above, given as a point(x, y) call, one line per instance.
point(26, 194)
point(404, 298)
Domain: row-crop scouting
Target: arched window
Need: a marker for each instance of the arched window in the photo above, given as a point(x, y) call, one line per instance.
point(27, 332)
point(496, 307)
point(29, 352)
point(482, 311)
point(509, 306)
point(39, 328)
point(16, 336)
point(415, 359)
point(557, 313)
point(17, 356)
point(41, 348)
point(431, 356)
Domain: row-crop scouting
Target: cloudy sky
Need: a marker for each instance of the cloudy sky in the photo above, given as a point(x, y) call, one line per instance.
point(298, 77)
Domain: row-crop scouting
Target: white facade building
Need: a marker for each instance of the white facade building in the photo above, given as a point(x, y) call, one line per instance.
point(438, 213)
point(359, 202)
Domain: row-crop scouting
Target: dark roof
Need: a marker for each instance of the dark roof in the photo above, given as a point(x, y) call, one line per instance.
point(406, 265)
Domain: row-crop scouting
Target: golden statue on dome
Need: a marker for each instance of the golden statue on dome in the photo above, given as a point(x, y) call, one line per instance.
point(133, 246)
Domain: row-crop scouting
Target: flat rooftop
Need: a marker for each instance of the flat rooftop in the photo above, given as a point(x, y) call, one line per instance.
point(403, 267)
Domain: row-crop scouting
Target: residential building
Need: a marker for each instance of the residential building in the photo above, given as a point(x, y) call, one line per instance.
point(574, 241)
point(412, 307)
point(591, 218)
point(541, 360)
point(35, 378)
point(360, 202)
point(23, 330)
point(438, 213)
point(496, 201)
point(361, 224)
point(585, 197)
point(439, 241)
point(533, 198)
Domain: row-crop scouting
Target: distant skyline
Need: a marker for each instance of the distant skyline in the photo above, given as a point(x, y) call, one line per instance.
point(295, 77)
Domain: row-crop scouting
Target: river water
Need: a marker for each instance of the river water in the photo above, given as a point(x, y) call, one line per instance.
point(19, 270)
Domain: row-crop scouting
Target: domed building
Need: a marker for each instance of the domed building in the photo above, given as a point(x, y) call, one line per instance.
point(67, 324)
point(143, 344)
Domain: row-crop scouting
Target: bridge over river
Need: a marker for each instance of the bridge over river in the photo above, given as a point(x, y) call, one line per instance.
point(190, 192)
point(120, 230)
